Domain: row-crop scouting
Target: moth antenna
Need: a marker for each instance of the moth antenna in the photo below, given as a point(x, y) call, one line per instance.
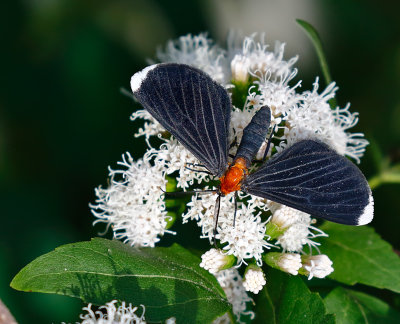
point(269, 144)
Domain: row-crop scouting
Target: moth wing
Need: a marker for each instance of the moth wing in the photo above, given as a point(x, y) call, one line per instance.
point(311, 177)
point(191, 106)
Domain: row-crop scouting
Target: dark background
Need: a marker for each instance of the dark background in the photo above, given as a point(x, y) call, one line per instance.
point(63, 119)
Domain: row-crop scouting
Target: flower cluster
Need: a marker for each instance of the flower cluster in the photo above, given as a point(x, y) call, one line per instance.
point(134, 203)
point(110, 314)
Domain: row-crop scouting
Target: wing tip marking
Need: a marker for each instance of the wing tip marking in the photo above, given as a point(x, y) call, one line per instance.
point(368, 212)
point(138, 78)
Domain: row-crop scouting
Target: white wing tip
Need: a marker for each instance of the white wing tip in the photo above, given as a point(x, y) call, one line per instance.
point(368, 213)
point(138, 77)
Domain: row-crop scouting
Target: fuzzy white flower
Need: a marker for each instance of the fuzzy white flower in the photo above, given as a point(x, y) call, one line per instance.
point(278, 94)
point(299, 234)
point(132, 204)
point(255, 57)
point(291, 227)
point(198, 51)
point(177, 158)
point(318, 266)
point(246, 239)
point(314, 119)
point(284, 216)
point(151, 126)
point(232, 284)
point(254, 279)
point(202, 209)
point(214, 260)
point(124, 314)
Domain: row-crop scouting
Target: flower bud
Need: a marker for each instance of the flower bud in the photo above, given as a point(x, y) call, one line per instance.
point(240, 68)
point(254, 279)
point(286, 262)
point(214, 260)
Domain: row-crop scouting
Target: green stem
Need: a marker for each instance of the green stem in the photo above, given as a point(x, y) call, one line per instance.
point(391, 175)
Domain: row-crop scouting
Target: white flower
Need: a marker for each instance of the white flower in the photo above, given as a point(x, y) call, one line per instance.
point(151, 126)
point(246, 239)
point(232, 284)
point(297, 228)
point(132, 204)
point(214, 260)
point(278, 95)
point(287, 262)
point(259, 59)
point(240, 66)
point(198, 51)
point(175, 157)
point(254, 279)
point(298, 235)
point(285, 216)
point(122, 315)
point(314, 119)
point(202, 209)
point(318, 266)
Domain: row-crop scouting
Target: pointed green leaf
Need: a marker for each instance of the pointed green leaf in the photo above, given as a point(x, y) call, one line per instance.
point(316, 41)
point(355, 307)
point(359, 255)
point(168, 281)
point(286, 299)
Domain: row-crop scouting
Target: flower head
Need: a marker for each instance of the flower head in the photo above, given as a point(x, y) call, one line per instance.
point(198, 51)
point(318, 266)
point(124, 314)
point(294, 229)
point(254, 279)
point(132, 204)
point(232, 284)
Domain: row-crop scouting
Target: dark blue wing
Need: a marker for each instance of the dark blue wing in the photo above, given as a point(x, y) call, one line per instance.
point(311, 177)
point(191, 106)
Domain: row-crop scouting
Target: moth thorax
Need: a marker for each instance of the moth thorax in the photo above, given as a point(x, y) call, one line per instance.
point(233, 177)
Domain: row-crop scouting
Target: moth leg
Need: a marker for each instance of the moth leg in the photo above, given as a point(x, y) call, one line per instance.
point(269, 144)
point(216, 214)
point(177, 194)
point(234, 215)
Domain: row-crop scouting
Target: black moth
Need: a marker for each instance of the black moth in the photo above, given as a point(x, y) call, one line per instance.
point(308, 176)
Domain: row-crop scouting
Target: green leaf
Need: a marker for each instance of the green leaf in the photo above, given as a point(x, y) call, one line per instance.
point(359, 255)
point(355, 307)
point(168, 281)
point(286, 299)
point(316, 41)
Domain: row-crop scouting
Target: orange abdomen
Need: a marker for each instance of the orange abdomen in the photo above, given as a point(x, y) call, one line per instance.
point(233, 177)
